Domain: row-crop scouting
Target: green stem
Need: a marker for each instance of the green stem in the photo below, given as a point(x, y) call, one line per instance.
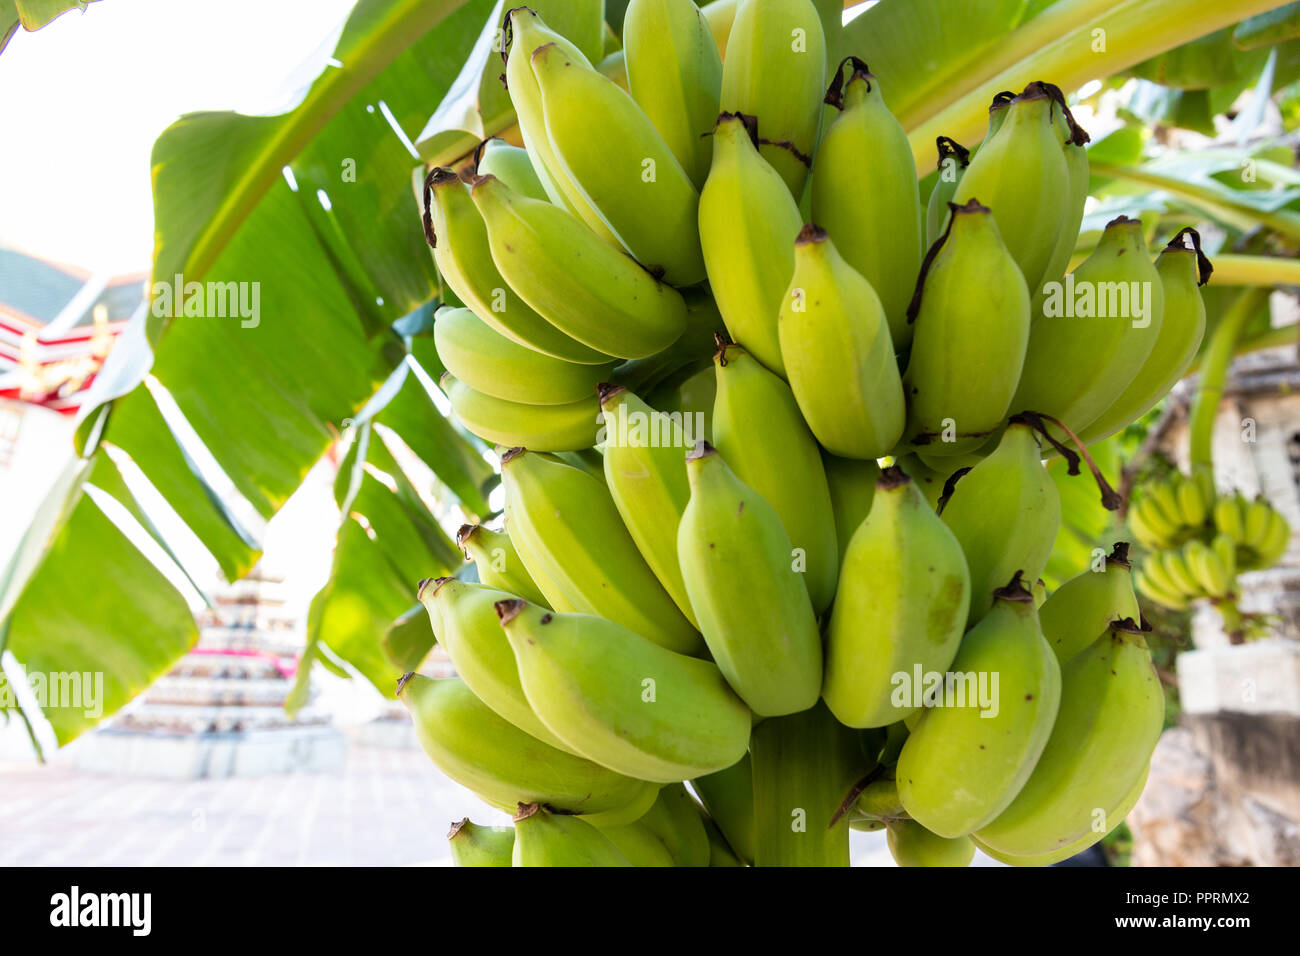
point(1214, 370)
point(1286, 335)
point(1255, 270)
point(804, 765)
point(1238, 215)
point(1115, 37)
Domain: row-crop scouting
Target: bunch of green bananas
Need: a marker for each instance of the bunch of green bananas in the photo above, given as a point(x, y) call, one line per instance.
point(731, 590)
point(1200, 540)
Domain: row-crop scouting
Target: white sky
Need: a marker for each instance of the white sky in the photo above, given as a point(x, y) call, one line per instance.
point(82, 101)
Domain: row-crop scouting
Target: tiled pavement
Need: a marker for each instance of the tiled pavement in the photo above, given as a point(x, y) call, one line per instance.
point(387, 807)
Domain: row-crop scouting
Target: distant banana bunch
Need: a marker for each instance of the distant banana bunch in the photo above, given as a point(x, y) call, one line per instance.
point(1200, 540)
point(775, 508)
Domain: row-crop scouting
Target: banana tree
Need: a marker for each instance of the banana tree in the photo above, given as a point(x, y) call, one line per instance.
point(317, 209)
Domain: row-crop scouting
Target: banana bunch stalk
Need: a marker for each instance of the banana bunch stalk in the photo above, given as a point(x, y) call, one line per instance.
point(771, 424)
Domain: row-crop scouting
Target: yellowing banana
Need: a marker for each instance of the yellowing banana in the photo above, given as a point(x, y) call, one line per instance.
point(911, 844)
point(634, 183)
point(1080, 610)
point(464, 260)
point(1182, 271)
point(761, 435)
point(511, 165)
point(838, 355)
point(900, 608)
point(625, 702)
point(492, 364)
point(475, 845)
point(544, 427)
point(748, 224)
point(674, 72)
point(503, 765)
point(1020, 173)
point(968, 347)
point(645, 454)
point(865, 194)
point(1005, 513)
point(976, 746)
point(1111, 713)
point(576, 281)
point(471, 635)
point(775, 69)
point(1096, 333)
point(544, 838)
point(497, 562)
point(953, 160)
point(565, 525)
point(852, 485)
point(752, 606)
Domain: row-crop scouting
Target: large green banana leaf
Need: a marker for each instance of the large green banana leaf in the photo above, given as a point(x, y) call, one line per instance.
point(32, 15)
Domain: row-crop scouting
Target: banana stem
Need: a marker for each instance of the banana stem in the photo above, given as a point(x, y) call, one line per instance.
point(1255, 270)
point(1214, 370)
point(1286, 335)
point(1090, 40)
point(803, 766)
point(1237, 215)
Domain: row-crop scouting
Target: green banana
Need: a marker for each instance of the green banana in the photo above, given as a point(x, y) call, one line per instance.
point(1080, 610)
point(728, 796)
point(1072, 138)
point(646, 476)
point(497, 562)
point(511, 165)
point(1229, 516)
point(1097, 334)
point(1255, 523)
point(625, 702)
point(475, 845)
point(495, 366)
point(1225, 550)
point(471, 635)
point(634, 183)
point(1153, 590)
point(1276, 543)
point(526, 33)
point(752, 607)
point(953, 160)
point(503, 765)
point(577, 282)
point(911, 844)
point(565, 524)
point(544, 427)
point(748, 222)
point(775, 69)
point(865, 194)
point(1005, 512)
point(1192, 506)
point(639, 844)
point(1094, 835)
point(464, 259)
point(1112, 710)
point(900, 608)
point(720, 852)
point(969, 756)
point(674, 71)
point(927, 479)
point(720, 14)
point(1198, 566)
point(1182, 271)
point(678, 821)
point(852, 484)
point(760, 433)
point(838, 354)
point(1020, 173)
point(1151, 536)
point(967, 349)
point(544, 838)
